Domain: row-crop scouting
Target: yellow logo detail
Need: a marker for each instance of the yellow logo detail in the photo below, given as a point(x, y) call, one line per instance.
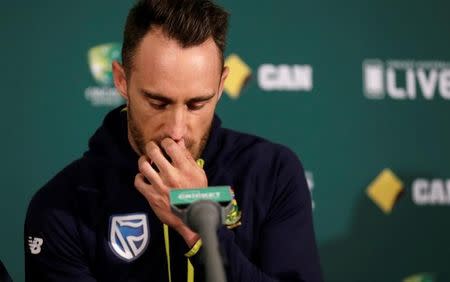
point(233, 219)
point(422, 277)
point(384, 190)
point(200, 163)
point(238, 76)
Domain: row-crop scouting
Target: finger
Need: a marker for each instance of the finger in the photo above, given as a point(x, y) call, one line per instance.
point(184, 152)
point(143, 187)
point(175, 152)
point(155, 198)
point(155, 154)
point(149, 189)
point(187, 153)
point(149, 172)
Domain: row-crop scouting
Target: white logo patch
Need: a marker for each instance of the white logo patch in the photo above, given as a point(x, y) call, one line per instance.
point(129, 235)
point(35, 244)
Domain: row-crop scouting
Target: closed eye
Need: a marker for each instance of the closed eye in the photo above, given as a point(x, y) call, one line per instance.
point(160, 102)
point(158, 105)
point(199, 102)
point(196, 106)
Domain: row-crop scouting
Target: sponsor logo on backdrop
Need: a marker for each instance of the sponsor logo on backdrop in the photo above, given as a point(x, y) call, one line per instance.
point(238, 76)
point(386, 189)
point(100, 59)
point(285, 77)
point(406, 79)
point(431, 192)
point(310, 180)
point(270, 77)
point(420, 277)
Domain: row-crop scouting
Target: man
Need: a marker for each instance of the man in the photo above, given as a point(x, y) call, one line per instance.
point(106, 217)
point(4, 275)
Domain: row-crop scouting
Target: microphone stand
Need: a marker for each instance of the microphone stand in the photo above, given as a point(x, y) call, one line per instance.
point(204, 217)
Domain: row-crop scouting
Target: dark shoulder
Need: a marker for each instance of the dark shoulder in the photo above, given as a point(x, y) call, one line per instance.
point(243, 148)
point(59, 192)
point(63, 189)
point(264, 173)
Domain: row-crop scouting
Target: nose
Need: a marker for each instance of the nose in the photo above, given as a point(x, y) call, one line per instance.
point(176, 124)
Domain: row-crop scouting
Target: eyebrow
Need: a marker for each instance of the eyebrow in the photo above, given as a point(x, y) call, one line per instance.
point(164, 99)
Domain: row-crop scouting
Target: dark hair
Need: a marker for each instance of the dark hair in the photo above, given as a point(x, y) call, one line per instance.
point(190, 22)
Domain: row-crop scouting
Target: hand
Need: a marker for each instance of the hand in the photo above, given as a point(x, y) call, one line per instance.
point(182, 172)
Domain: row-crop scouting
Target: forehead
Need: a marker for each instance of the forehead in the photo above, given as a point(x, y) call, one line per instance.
point(160, 60)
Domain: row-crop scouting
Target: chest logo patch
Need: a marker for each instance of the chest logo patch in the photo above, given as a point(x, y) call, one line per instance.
point(233, 219)
point(129, 235)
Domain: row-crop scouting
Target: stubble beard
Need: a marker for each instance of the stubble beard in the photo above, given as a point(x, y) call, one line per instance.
point(137, 136)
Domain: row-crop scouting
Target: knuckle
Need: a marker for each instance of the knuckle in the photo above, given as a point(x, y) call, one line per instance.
point(150, 146)
point(147, 147)
point(165, 142)
point(174, 181)
point(138, 180)
point(141, 163)
point(153, 150)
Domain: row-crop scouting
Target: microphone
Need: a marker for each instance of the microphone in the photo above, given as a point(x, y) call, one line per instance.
point(204, 211)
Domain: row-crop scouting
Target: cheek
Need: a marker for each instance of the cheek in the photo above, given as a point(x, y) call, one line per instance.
point(147, 122)
point(151, 127)
point(202, 124)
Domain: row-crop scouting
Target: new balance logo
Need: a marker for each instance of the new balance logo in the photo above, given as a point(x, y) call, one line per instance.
point(35, 244)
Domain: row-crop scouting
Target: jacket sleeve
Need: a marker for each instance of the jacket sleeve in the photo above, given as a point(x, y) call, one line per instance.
point(52, 244)
point(287, 250)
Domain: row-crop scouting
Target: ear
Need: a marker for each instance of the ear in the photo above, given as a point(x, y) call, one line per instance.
point(225, 72)
point(120, 79)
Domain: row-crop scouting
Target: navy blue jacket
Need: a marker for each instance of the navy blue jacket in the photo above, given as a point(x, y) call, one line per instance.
point(69, 221)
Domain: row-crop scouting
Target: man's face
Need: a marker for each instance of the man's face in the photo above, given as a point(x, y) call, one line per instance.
point(171, 91)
